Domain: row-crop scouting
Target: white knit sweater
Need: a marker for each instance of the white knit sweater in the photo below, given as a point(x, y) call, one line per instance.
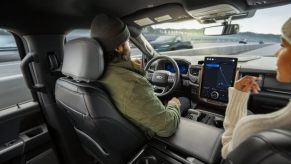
point(238, 126)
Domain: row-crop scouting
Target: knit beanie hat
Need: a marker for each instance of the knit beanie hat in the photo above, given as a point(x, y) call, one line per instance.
point(110, 31)
point(286, 31)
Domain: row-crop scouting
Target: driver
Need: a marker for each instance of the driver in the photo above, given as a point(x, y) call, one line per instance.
point(124, 79)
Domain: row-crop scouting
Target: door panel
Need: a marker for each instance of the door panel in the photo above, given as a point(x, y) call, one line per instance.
point(267, 102)
point(24, 136)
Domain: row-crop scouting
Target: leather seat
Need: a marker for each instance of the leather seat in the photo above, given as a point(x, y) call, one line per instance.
point(102, 130)
point(268, 147)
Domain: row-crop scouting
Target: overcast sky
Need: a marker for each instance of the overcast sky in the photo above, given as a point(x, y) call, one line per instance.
point(267, 21)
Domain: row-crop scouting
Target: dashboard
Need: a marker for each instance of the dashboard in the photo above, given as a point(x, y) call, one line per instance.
point(183, 67)
point(192, 74)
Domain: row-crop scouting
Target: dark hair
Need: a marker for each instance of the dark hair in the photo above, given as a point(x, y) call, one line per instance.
point(114, 56)
point(111, 56)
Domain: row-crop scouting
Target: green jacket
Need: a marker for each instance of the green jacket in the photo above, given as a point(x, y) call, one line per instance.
point(134, 96)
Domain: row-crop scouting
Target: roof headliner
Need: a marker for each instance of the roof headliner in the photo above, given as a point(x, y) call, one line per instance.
point(60, 16)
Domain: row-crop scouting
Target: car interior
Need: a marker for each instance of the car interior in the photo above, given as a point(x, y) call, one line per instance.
point(72, 118)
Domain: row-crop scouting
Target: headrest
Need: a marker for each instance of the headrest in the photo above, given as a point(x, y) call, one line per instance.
point(83, 60)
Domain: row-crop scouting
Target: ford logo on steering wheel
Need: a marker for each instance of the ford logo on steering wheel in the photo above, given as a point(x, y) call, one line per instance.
point(160, 77)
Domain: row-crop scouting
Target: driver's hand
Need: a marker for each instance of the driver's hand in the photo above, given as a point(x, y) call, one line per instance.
point(137, 62)
point(247, 84)
point(175, 101)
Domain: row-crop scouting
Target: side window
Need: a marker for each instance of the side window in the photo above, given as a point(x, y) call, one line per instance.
point(13, 90)
point(135, 52)
point(77, 34)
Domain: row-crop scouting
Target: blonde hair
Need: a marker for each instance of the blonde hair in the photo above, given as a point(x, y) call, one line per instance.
point(286, 31)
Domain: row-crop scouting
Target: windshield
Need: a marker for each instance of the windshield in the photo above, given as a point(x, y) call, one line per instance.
point(258, 36)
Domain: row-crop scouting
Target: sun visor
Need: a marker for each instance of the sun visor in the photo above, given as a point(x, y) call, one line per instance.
point(213, 13)
point(156, 15)
point(266, 2)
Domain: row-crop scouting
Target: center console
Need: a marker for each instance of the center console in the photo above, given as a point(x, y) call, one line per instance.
point(193, 143)
point(205, 117)
point(198, 138)
point(210, 83)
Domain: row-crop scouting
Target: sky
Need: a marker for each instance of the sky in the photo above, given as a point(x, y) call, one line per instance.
point(266, 21)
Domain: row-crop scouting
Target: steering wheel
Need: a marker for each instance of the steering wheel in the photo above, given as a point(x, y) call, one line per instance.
point(164, 82)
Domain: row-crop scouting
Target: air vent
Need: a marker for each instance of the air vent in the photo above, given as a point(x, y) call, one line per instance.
point(194, 71)
point(250, 74)
point(260, 83)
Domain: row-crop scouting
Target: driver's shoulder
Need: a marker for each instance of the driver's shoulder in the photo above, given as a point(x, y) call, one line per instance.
point(140, 80)
point(122, 75)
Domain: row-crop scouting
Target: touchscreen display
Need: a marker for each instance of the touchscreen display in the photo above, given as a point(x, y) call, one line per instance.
point(182, 67)
point(218, 75)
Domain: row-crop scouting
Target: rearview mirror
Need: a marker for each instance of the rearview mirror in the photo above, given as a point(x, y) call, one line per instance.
point(228, 29)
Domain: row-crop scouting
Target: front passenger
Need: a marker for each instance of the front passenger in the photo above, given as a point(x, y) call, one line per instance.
point(238, 125)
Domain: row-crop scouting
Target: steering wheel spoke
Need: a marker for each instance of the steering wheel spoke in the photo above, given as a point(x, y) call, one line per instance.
point(163, 81)
point(171, 78)
point(159, 90)
point(149, 76)
point(150, 71)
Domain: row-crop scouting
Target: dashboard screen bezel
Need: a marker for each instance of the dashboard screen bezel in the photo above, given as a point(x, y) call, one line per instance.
point(234, 75)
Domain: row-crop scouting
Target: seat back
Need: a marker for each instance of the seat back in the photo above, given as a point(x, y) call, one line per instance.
point(103, 131)
point(268, 147)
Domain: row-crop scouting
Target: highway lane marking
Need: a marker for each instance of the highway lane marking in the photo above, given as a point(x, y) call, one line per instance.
point(10, 77)
point(210, 46)
point(200, 48)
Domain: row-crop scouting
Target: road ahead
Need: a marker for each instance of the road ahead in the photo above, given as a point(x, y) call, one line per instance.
point(137, 53)
point(266, 51)
point(13, 89)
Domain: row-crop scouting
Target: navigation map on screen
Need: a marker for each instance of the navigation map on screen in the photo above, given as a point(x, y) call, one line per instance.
point(218, 76)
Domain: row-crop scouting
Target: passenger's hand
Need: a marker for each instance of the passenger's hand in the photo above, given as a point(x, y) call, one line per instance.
point(175, 101)
point(247, 84)
point(137, 61)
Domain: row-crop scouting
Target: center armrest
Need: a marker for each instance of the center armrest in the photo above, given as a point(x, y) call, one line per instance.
point(196, 139)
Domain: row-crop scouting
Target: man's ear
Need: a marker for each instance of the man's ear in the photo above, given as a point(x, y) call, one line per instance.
point(119, 49)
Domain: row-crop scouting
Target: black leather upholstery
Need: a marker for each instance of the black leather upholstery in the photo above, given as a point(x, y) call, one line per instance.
point(102, 130)
point(268, 147)
point(197, 140)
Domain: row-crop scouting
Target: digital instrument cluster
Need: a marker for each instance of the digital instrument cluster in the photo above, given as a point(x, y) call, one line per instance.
point(182, 67)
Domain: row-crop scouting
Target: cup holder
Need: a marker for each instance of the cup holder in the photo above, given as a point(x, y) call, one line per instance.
point(218, 122)
point(205, 118)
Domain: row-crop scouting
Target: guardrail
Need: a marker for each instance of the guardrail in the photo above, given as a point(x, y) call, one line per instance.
point(9, 55)
point(13, 91)
point(221, 50)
